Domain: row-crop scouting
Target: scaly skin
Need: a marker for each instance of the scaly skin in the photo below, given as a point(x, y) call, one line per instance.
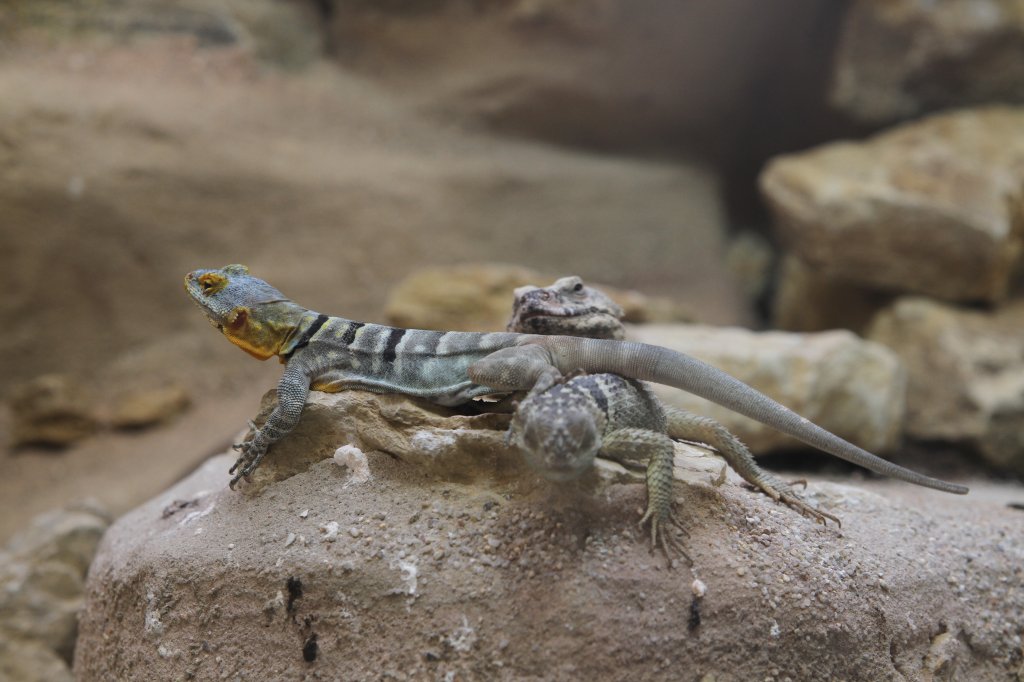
point(561, 430)
point(569, 308)
point(333, 353)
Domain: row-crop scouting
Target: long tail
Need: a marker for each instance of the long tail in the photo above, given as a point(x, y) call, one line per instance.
point(663, 366)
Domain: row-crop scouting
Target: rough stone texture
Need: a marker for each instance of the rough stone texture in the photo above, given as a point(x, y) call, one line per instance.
point(901, 58)
point(806, 300)
point(479, 298)
point(42, 578)
point(385, 569)
point(853, 388)
point(53, 409)
point(965, 374)
point(927, 207)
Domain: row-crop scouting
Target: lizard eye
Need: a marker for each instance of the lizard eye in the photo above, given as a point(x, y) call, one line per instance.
point(211, 283)
point(578, 288)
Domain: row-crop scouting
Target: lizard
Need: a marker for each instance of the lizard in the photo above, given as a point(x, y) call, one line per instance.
point(560, 431)
point(326, 353)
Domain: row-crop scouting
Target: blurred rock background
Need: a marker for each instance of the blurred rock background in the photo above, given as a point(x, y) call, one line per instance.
point(805, 167)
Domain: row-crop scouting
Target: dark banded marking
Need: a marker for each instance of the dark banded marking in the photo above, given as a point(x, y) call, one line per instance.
point(394, 337)
point(350, 334)
point(596, 391)
point(307, 335)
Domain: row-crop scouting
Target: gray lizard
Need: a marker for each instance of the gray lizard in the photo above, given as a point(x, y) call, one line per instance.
point(560, 431)
point(333, 354)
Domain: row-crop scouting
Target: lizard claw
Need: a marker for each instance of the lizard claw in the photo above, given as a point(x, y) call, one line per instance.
point(671, 545)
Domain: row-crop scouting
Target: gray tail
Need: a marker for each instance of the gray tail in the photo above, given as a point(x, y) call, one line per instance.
point(663, 366)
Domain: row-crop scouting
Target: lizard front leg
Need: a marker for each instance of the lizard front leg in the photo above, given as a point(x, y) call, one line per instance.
point(686, 426)
point(291, 398)
point(518, 368)
point(631, 444)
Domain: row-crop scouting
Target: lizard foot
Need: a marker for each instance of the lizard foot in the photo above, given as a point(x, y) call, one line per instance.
point(794, 501)
point(663, 537)
point(252, 454)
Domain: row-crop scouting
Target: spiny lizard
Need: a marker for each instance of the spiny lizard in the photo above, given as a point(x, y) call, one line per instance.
point(332, 354)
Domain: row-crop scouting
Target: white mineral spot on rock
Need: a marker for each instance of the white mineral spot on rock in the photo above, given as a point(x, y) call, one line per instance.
point(699, 588)
point(305, 512)
point(409, 570)
point(289, 539)
point(434, 442)
point(151, 624)
point(330, 531)
point(355, 460)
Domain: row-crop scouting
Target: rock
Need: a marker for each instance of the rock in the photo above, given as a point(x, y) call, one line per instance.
point(53, 410)
point(851, 387)
point(42, 577)
point(619, 74)
point(417, 432)
point(806, 300)
point(479, 298)
point(29, 661)
point(903, 58)
point(923, 208)
point(142, 407)
point(466, 571)
point(965, 373)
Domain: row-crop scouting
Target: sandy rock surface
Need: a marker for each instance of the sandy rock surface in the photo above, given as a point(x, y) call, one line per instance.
point(965, 373)
point(902, 58)
point(386, 569)
point(854, 388)
point(925, 207)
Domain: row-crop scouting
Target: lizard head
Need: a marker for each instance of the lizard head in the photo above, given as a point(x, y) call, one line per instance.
point(567, 307)
point(556, 434)
point(253, 315)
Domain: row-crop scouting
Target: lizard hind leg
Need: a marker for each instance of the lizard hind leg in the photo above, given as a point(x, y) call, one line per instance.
point(686, 426)
point(635, 443)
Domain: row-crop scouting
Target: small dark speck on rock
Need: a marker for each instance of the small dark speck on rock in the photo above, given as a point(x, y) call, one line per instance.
point(1016, 505)
point(294, 586)
point(694, 622)
point(489, 505)
point(431, 656)
point(309, 649)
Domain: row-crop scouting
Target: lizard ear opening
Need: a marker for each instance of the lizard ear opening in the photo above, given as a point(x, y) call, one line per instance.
point(238, 319)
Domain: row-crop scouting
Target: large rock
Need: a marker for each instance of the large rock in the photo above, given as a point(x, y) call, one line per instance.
point(853, 388)
point(807, 300)
point(53, 410)
point(965, 374)
point(471, 568)
point(42, 578)
point(928, 207)
point(600, 73)
point(901, 58)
